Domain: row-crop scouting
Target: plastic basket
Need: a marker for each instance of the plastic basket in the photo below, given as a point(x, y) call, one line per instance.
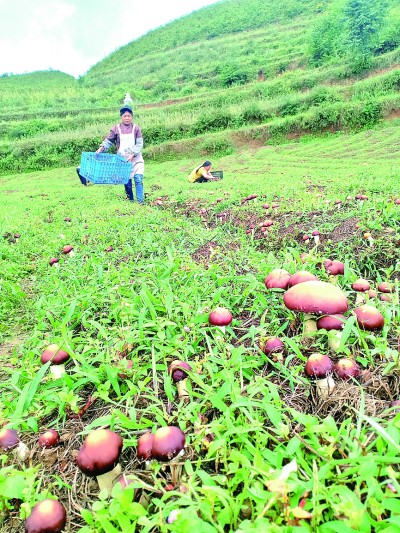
point(106, 169)
point(218, 174)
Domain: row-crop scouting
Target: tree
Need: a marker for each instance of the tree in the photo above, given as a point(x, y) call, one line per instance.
point(362, 21)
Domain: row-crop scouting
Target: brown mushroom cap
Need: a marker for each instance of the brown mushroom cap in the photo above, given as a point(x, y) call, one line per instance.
point(316, 297)
point(177, 370)
point(168, 442)
point(220, 317)
point(47, 516)
point(277, 279)
point(99, 452)
point(347, 368)
point(330, 322)
point(8, 439)
point(361, 285)
point(53, 261)
point(145, 446)
point(49, 438)
point(300, 277)
point(273, 344)
point(386, 287)
point(54, 354)
point(318, 366)
point(334, 268)
point(369, 318)
point(67, 248)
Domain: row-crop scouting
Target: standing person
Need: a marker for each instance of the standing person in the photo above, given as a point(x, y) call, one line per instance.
point(201, 174)
point(129, 142)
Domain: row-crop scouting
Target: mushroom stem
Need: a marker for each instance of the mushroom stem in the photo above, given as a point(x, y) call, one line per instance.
point(106, 481)
point(325, 386)
point(360, 299)
point(71, 253)
point(334, 339)
point(316, 239)
point(182, 389)
point(57, 371)
point(310, 325)
point(22, 451)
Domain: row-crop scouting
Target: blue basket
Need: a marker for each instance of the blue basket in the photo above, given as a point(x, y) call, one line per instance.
point(106, 169)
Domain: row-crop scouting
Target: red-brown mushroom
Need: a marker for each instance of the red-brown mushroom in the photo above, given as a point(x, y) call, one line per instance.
point(277, 279)
point(369, 317)
point(168, 443)
point(98, 457)
point(319, 367)
point(315, 298)
point(49, 438)
point(57, 358)
point(220, 317)
point(361, 286)
point(68, 249)
point(333, 324)
point(346, 369)
point(300, 277)
point(9, 440)
point(47, 516)
point(275, 347)
point(178, 372)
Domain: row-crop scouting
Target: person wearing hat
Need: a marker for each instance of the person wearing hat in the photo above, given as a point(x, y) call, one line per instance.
point(201, 174)
point(129, 142)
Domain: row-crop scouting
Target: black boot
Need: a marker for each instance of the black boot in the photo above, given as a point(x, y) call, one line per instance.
point(83, 180)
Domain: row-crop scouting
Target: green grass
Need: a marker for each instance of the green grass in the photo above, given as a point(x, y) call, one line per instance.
point(149, 299)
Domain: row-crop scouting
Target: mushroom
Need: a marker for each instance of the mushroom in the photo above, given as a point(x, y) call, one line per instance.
point(346, 369)
point(98, 457)
point(369, 238)
point(385, 287)
point(275, 347)
point(306, 239)
point(316, 235)
point(168, 443)
point(47, 516)
point(369, 318)
point(177, 370)
point(315, 298)
point(319, 367)
point(361, 286)
point(54, 262)
point(220, 317)
point(300, 277)
point(277, 279)
point(49, 438)
point(334, 324)
point(338, 203)
point(68, 250)
point(145, 447)
point(9, 440)
point(57, 357)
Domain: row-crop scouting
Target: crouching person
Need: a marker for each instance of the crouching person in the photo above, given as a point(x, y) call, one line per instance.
point(129, 142)
point(201, 174)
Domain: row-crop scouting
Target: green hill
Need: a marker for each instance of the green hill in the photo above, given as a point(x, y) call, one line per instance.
point(226, 73)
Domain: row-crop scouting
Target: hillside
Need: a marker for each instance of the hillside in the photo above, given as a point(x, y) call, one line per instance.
point(208, 81)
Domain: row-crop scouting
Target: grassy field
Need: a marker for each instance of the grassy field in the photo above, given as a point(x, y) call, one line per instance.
point(301, 126)
point(263, 451)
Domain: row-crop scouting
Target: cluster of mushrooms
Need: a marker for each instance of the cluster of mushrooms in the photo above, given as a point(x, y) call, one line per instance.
point(324, 306)
point(98, 457)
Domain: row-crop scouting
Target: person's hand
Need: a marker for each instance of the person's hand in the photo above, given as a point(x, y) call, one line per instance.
point(130, 158)
point(101, 149)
